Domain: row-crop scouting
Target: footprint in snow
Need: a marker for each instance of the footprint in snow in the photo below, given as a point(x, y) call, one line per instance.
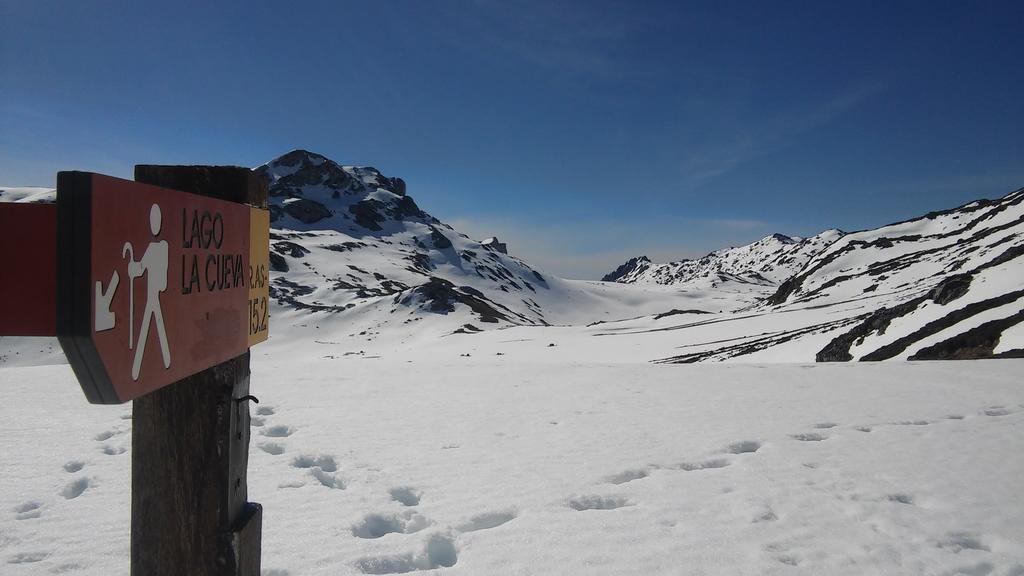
point(378, 525)
point(113, 450)
point(73, 466)
point(327, 479)
point(627, 476)
point(105, 435)
point(809, 437)
point(439, 552)
point(825, 425)
point(788, 559)
point(960, 541)
point(744, 447)
point(323, 462)
point(27, 510)
point(27, 557)
point(913, 423)
point(405, 495)
point(705, 465)
point(996, 411)
point(75, 488)
point(278, 431)
point(256, 421)
point(594, 502)
point(486, 521)
point(980, 569)
point(901, 498)
point(265, 410)
point(272, 448)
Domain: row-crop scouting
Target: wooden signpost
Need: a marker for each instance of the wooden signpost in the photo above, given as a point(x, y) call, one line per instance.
point(159, 288)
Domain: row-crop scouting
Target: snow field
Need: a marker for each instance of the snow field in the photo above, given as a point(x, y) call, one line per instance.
point(481, 466)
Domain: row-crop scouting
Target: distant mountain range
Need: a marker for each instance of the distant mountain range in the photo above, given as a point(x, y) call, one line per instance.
point(357, 263)
point(767, 262)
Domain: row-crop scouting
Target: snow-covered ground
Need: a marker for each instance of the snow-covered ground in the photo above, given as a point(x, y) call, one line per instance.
point(497, 465)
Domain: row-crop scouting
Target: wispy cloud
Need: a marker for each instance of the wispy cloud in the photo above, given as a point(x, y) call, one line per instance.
point(758, 139)
point(549, 35)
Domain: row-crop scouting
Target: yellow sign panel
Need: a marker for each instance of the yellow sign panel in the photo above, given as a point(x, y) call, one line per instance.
point(259, 275)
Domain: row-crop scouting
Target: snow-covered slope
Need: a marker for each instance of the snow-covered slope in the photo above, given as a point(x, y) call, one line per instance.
point(765, 263)
point(946, 285)
point(26, 194)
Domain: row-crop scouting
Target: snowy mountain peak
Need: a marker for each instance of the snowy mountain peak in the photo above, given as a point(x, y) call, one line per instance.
point(632, 268)
point(784, 239)
point(755, 268)
point(349, 239)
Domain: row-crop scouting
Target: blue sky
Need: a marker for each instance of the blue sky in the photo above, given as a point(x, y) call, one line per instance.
point(580, 132)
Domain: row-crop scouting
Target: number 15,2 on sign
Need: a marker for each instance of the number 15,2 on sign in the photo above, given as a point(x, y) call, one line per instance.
point(259, 275)
point(154, 284)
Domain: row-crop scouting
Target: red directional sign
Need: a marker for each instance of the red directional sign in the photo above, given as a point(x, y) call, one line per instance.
point(153, 284)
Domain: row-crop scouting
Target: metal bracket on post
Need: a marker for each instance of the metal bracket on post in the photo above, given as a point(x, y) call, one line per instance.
point(239, 549)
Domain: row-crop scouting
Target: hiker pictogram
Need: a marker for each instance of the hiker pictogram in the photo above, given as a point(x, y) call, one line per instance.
point(153, 265)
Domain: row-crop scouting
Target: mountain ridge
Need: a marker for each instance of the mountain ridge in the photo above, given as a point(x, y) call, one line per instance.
point(357, 264)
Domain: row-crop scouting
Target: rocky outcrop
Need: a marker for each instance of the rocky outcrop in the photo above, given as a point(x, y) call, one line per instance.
point(951, 288)
point(632, 267)
point(979, 342)
point(367, 214)
point(494, 244)
point(439, 296)
point(838, 350)
point(306, 211)
point(441, 242)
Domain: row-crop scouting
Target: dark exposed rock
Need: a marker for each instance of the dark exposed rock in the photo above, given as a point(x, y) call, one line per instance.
point(472, 291)
point(396, 185)
point(785, 290)
point(633, 265)
point(367, 214)
point(407, 208)
point(757, 344)
point(495, 244)
point(275, 212)
point(676, 311)
point(935, 326)
point(440, 296)
point(289, 288)
point(290, 248)
point(838, 350)
point(441, 242)
point(467, 329)
point(951, 288)
point(306, 211)
point(978, 342)
point(311, 169)
point(278, 263)
point(345, 246)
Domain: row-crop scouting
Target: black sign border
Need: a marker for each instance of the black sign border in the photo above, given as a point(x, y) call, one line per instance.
point(74, 290)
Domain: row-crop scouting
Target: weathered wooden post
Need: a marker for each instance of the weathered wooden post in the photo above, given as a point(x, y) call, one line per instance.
point(160, 289)
point(190, 440)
